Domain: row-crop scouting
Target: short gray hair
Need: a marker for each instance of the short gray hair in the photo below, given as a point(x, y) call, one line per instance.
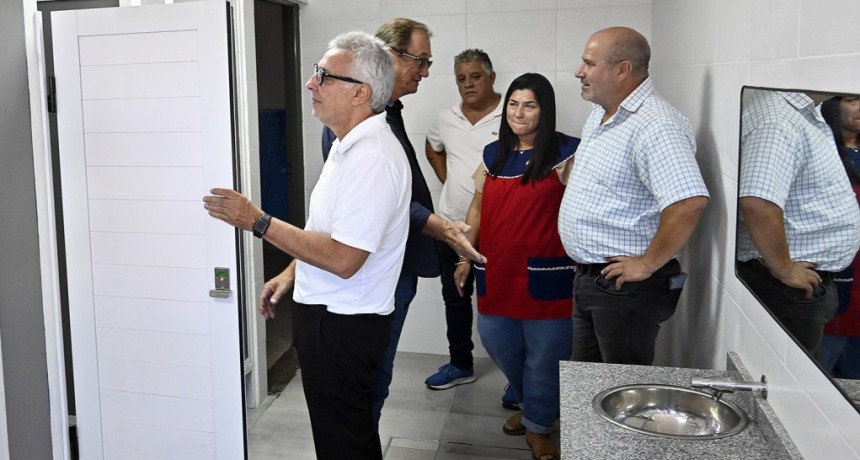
point(371, 63)
point(474, 55)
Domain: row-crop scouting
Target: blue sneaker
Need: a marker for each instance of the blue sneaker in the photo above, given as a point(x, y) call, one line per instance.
point(449, 376)
point(509, 399)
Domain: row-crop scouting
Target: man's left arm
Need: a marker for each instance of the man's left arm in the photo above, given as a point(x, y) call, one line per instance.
point(666, 160)
point(677, 223)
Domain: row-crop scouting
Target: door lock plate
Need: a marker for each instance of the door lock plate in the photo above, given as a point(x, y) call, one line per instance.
point(222, 283)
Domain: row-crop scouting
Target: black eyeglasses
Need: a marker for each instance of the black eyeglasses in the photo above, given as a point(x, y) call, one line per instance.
point(423, 62)
point(323, 73)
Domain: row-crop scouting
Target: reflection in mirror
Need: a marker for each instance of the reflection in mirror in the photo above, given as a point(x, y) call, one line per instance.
point(799, 219)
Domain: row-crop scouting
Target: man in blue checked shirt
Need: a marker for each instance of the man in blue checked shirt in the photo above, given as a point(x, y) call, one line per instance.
point(800, 221)
point(633, 199)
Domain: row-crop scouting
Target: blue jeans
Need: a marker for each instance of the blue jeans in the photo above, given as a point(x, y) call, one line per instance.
point(407, 286)
point(840, 356)
point(528, 351)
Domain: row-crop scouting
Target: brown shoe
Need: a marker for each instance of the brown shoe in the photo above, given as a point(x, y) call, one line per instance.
point(542, 446)
point(514, 425)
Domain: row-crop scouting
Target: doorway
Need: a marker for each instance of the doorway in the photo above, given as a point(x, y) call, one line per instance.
point(282, 185)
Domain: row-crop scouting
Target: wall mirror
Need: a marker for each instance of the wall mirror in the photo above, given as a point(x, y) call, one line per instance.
point(798, 228)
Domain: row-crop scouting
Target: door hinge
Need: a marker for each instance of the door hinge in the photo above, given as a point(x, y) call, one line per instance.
point(52, 95)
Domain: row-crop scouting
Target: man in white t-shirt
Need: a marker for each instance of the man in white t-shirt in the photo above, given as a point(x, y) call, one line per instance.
point(454, 147)
point(348, 257)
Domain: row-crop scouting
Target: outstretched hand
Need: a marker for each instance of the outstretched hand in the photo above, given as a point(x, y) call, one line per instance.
point(455, 237)
point(232, 207)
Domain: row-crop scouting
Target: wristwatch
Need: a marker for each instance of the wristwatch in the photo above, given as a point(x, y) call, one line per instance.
point(261, 225)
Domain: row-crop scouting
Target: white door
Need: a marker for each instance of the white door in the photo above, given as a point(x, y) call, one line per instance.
point(144, 132)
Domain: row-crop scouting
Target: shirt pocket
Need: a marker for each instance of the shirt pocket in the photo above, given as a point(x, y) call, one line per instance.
point(550, 278)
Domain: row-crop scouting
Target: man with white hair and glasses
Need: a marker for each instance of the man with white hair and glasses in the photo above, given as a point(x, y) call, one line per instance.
point(348, 256)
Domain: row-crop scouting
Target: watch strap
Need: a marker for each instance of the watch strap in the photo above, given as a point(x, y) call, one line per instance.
point(261, 225)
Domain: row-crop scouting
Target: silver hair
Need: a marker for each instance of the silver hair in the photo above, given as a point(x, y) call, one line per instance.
point(371, 63)
point(474, 55)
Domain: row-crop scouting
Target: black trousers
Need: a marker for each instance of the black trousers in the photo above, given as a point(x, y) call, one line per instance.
point(620, 326)
point(458, 310)
point(338, 356)
point(802, 317)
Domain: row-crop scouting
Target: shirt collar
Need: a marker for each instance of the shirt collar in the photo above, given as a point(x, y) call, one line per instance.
point(496, 113)
point(635, 99)
point(802, 103)
point(359, 132)
point(631, 103)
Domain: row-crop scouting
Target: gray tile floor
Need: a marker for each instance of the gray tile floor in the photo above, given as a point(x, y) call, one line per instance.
point(461, 423)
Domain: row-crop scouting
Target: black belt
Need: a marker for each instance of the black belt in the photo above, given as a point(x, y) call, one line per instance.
point(322, 309)
point(590, 269)
point(756, 264)
point(671, 268)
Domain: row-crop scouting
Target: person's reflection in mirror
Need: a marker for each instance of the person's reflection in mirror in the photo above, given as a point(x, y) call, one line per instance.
point(800, 222)
point(840, 346)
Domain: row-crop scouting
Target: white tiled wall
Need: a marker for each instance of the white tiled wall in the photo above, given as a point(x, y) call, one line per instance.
point(703, 52)
point(545, 36)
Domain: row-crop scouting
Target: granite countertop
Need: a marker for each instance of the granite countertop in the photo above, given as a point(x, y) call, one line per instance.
point(584, 434)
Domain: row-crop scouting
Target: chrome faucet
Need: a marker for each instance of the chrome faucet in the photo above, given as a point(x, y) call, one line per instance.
point(722, 385)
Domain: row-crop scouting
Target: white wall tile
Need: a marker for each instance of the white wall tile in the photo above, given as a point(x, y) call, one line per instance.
point(518, 42)
point(782, 73)
point(734, 30)
point(576, 25)
point(828, 27)
point(322, 11)
point(563, 4)
point(499, 6)
point(775, 37)
point(810, 430)
point(571, 109)
point(832, 73)
point(449, 39)
point(684, 33)
point(826, 397)
point(411, 8)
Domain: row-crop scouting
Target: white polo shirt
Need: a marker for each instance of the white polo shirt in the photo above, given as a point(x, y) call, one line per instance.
point(361, 200)
point(464, 144)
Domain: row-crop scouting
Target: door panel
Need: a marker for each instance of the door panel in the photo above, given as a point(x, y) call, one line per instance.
point(144, 131)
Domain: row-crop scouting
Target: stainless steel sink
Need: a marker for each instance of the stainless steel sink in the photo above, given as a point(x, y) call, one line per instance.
point(670, 411)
